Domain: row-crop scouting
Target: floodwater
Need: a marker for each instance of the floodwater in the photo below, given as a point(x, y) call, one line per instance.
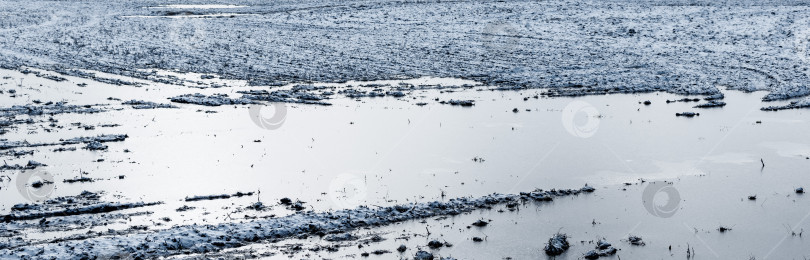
point(383, 151)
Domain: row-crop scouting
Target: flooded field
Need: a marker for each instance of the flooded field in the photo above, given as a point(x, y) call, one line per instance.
point(404, 130)
point(674, 181)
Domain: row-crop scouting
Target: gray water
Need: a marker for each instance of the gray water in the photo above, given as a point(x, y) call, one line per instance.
point(383, 151)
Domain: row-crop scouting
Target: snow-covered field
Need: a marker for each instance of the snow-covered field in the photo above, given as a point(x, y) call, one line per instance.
point(404, 129)
point(576, 47)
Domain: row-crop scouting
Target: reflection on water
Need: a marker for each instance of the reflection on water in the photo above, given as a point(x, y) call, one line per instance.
point(382, 151)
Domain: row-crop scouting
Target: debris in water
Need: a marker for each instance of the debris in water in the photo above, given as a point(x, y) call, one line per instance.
point(140, 104)
point(603, 248)
point(220, 196)
point(636, 241)
point(557, 244)
point(464, 103)
point(213, 100)
point(687, 114)
point(423, 255)
point(480, 223)
point(435, 244)
point(713, 103)
point(95, 146)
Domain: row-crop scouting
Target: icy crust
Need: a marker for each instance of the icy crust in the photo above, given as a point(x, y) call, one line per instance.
point(570, 47)
point(4, 145)
point(213, 238)
point(804, 103)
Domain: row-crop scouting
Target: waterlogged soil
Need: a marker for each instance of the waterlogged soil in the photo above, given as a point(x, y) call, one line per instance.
point(192, 180)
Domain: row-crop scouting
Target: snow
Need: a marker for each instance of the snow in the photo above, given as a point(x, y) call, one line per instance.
point(213, 238)
point(572, 47)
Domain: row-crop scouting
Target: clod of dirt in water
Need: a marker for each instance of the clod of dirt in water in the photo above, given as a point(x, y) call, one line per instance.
point(213, 100)
point(380, 252)
point(793, 105)
point(296, 95)
point(95, 146)
point(715, 97)
point(603, 248)
point(480, 223)
point(423, 255)
point(64, 149)
point(30, 166)
point(340, 237)
point(557, 244)
point(84, 203)
point(464, 103)
point(49, 108)
point(39, 184)
point(220, 196)
point(435, 244)
point(297, 205)
point(16, 153)
point(101, 139)
point(684, 100)
point(184, 208)
point(636, 241)
point(140, 104)
point(713, 103)
point(78, 179)
point(687, 114)
point(257, 206)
